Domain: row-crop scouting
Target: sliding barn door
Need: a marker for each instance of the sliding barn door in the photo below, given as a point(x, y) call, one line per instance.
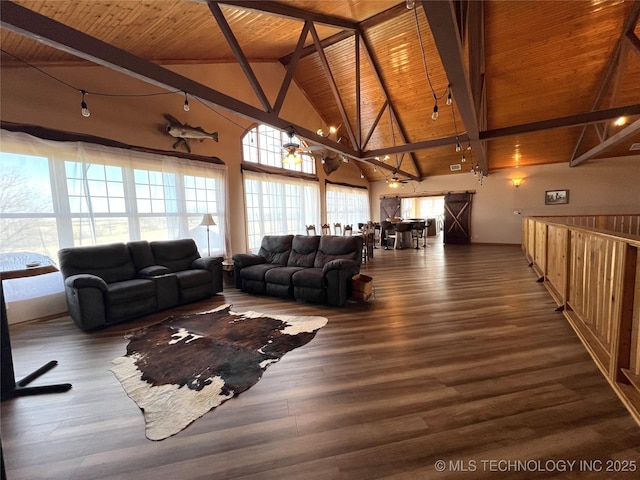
point(389, 208)
point(457, 218)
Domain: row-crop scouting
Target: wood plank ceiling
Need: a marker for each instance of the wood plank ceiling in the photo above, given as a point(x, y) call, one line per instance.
point(532, 82)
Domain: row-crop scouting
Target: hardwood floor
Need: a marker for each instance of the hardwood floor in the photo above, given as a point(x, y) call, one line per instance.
point(460, 358)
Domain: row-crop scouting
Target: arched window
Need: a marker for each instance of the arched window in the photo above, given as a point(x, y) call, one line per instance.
point(264, 145)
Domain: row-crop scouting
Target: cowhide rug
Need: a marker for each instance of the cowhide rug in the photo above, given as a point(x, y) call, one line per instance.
point(179, 369)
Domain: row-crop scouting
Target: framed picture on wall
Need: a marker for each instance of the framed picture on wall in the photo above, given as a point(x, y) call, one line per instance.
point(556, 197)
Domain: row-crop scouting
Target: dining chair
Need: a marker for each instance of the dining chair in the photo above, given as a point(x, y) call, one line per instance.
point(326, 229)
point(389, 233)
point(311, 230)
point(348, 230)
point(337, 229)
point(417, 232)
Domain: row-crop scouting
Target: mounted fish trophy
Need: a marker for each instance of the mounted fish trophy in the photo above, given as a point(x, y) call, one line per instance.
point(185, 132)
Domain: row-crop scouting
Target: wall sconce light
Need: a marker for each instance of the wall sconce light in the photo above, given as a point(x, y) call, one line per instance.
point(516, 182)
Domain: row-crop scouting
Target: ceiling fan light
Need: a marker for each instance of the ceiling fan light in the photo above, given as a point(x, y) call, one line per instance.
point(292, 158)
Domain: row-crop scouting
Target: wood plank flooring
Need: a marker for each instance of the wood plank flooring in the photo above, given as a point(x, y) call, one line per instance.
point(461, 357)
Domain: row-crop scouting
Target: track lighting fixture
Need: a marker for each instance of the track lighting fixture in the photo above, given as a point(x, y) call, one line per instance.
point(186, 102)
point(83, 105)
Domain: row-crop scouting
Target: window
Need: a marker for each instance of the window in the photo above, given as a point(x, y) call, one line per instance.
point(263, 145)
point(279, 205)
point(347, 205)
point(70, 194)
point(422, 207)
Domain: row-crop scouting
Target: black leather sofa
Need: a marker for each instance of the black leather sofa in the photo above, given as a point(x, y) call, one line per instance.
point(107, 284)
point(315, 269)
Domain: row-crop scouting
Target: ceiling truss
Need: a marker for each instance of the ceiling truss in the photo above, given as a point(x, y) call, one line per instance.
point(452, 24)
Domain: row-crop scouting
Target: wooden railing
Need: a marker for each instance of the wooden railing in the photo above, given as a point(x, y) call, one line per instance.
point(590, 266)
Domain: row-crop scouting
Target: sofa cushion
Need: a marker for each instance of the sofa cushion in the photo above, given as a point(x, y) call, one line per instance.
point(131, 290)
point(193, 278)
point(141, 254)
point(333, 247)
point(111, 262)
point(276, 248)
point(309, 277)
point(303, 250)
point(281, 275)
point(257, 272)
point(176, 255)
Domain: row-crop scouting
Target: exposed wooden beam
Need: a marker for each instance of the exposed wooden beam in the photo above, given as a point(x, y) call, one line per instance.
point(370, 22)
point(634, 41)
point(612, 66)
point(240, 56)
point(612, 140)
point(375, 67)
point(375, 124)
point(411, 147)
point(569, 121)
point(356, 54)
point(334, 88)
point(45, 30)
point(311, 49)
point(443, 23)
point(291, 68)
point(287, 11)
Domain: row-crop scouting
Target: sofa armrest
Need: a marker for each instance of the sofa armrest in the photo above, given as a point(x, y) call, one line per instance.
point(86, 280)
point(207, 263)
point(153, 271)
point(340, 264)
point(241, 260)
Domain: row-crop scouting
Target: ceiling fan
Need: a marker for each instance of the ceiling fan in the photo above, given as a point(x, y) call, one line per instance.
point(395, 182)
point(293, 150)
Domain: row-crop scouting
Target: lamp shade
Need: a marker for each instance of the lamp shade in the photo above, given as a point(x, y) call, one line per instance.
point(207, 220)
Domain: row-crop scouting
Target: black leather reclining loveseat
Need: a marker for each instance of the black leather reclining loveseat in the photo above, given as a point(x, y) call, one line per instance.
point(106, 284)
point(314, 268)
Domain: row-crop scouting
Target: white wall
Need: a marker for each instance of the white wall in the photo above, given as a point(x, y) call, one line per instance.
point(609, 186)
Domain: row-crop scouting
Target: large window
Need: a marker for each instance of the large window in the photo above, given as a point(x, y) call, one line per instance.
point(279, 205)
point(422, 207)
point(56, 195)
point(347, 205)
point(263, 145)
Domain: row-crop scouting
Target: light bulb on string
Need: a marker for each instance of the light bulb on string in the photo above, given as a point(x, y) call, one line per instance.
point(83, 105)
point(463, 158)
point(449, 99)
point(411, 4)
point(434, 115)
point(458, 146)
point(186, 102)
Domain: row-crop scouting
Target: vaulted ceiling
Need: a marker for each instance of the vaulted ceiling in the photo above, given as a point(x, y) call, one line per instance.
point(531, 82)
